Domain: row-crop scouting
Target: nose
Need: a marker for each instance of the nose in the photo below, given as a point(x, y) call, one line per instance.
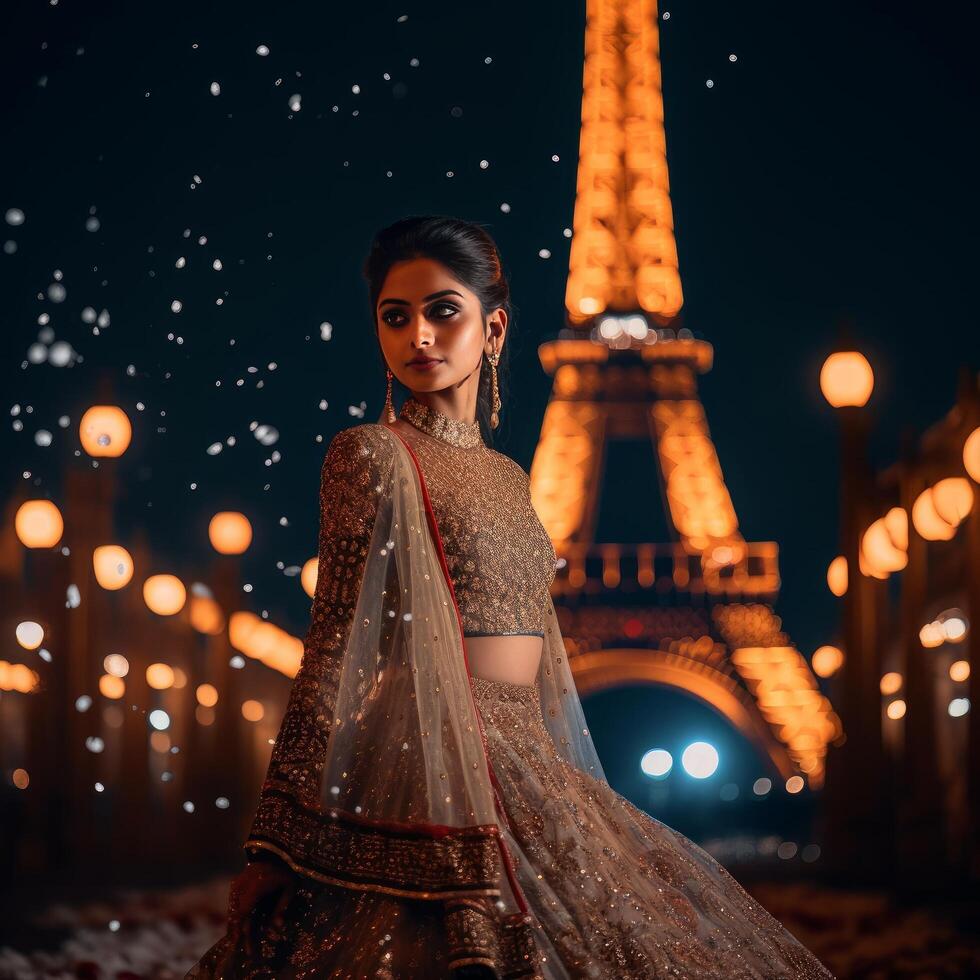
point(421, 333)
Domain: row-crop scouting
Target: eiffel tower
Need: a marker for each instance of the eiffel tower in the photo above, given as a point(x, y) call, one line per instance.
point(694, 612)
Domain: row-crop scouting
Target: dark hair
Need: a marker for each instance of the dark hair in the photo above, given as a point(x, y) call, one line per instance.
point(470, 254)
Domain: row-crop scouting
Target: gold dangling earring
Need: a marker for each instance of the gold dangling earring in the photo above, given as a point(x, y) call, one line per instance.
point(389, 408)
point(495, 397)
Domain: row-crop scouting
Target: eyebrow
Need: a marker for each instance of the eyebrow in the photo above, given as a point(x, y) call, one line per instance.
point(405, 302)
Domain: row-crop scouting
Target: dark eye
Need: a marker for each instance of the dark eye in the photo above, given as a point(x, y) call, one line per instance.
point(452, 310)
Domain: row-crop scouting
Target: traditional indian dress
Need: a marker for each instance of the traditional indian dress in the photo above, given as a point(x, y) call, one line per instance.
point(443, 825)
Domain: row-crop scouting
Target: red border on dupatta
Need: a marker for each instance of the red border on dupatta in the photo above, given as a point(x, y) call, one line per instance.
point(498, 799)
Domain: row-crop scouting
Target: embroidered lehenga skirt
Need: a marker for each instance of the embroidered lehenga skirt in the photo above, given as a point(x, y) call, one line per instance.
point(617, 893)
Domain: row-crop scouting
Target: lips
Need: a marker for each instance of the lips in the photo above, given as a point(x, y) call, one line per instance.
point(425, 362)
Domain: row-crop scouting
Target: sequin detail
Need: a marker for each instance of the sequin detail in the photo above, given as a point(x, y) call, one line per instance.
point(613, 892)
point(500, 557)
point(429, 420)
point(617, 893)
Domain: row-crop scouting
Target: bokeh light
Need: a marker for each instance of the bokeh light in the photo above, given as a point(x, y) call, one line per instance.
point(656, 763)
point(230, 532)
point(39, 524)
point(105, 431)
point(30, 635)
point(846, 378)
point(164, 594)
point(700, 760)
point(890, 683)
point(308, 576)
point(113, 566)
point(160, 676)
point(827, 660)
point(895, 709)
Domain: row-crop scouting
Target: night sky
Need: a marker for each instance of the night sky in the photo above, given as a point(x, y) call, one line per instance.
point(829, 170)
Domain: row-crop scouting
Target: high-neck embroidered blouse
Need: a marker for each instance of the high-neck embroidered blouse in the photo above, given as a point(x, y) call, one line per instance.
point(500, 557)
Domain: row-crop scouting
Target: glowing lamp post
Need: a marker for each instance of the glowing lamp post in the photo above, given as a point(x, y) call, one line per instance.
point(846, 382)
point(105, 430)
point(846, 379)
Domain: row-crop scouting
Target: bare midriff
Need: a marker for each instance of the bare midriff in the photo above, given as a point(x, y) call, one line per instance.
point(511, 659)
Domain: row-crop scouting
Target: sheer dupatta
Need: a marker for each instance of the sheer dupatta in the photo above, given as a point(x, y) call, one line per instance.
point(409, 804)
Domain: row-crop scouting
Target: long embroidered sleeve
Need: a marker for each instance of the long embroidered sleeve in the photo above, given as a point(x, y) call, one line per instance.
point(357, 464)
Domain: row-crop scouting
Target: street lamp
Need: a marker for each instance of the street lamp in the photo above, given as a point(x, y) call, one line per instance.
point(846, 379)
point(846, 382)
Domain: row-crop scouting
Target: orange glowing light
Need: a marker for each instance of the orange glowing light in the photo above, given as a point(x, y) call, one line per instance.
point(253, 710)
point(160, 676)
point(623, 254)
point(896, 522)
point(105, 430)
point(700, 504)
point(111, 686)
point(207, 695)
point(39, 524)
point(927, 519)
point(160, 742)
point(846, 378)
point(953, 499)
point(265, 642)
point(890, 683)
point(308, 576)
point(959, 670)
point(113, 566)
point(17, 677)
point(206, 615)
point(884, 546)
point(230, 532)
point(826, 661)
point(164, 594)
point(895, 709)
point(837, 576)
point(971, 455)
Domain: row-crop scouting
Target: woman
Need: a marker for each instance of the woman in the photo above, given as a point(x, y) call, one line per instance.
point(434, 806)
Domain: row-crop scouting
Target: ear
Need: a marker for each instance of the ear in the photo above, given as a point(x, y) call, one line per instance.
point(496, 329)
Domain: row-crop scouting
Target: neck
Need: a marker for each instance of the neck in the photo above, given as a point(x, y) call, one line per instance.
point(431, 421)
point(458, 404)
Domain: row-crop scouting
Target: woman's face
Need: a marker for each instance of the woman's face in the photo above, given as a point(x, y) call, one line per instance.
point(423, 312)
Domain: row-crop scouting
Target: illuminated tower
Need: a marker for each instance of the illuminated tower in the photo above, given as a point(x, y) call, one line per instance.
point(693, 612)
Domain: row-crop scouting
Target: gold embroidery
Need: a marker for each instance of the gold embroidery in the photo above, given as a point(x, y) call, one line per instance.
point(454, 431)
point(613, 891)
point(500, 558)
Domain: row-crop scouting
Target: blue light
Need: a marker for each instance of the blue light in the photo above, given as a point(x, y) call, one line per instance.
point(657, 763)
point(700, 760)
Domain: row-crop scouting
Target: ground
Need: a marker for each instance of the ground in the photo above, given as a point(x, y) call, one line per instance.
point(158, 934)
